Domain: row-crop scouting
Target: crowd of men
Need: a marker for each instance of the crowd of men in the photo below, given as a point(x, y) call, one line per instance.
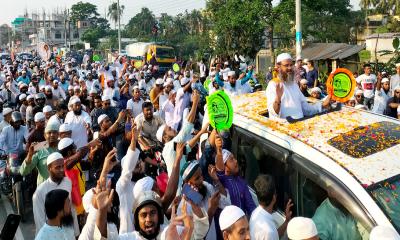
point(116, 154)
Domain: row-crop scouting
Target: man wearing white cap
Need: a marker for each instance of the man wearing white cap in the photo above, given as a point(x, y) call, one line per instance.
point(6, 118)
point(236, 87)
point(381, 232)
point(134, 105)
point(58, 92)
point(382, 95)
point(168, 109)
point(234, 224)
point(284, 96)
point(48, 112)
point(316, 93)
point(37, 134)
point(393, 103)
point(38, 153)
point(395, 79)
point(80, 122)
point(56, 180)
point(301, 228)
point(367, 82)
point(147, 82)
point(164, 96)
point(24, 104)
point(65, 131)
point(112, 92)
point(304, 87)
point(182, 100)
point(50, 98)
point(155, 93)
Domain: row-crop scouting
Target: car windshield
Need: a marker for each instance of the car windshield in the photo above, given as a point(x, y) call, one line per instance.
point(387, 195)
point(165, 52)
point(366, 140)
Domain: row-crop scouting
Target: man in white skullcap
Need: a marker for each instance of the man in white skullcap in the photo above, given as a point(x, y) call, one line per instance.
point(316, 93)
point(301, 228)
point(56, 180)
point(6, 118)
point(58, 91)
point(65, 131)
point(381, 232)
point(382, 95)
point(37, 134)
point(164, 96)
point(395, 79)
point(80, 123)
point(24, 104)
point(134, 105)
point(234, 224)
point(393, 103)
point(155, 93)
point(284, 96)
point(235, 86)
point(48, 112)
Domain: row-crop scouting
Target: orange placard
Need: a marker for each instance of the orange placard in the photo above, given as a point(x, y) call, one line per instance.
point(341, 85)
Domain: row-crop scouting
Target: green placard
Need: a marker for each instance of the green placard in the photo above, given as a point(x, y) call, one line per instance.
point(176, 67)
point(342, 85)
point(206, 83)
point(96, 58)
point(220, 111)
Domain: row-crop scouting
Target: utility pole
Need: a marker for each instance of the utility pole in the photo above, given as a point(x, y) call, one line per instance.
point(298, 28)
point(65, 27)
point(119, 28)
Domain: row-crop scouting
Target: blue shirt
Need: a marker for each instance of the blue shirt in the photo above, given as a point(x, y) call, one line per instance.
point(25, 79)
point(312, 76)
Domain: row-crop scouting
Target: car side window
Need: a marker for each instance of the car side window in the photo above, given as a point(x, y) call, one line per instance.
point(258, 156)
point(335, 213)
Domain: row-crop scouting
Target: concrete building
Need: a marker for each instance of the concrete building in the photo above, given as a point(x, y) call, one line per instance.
point(378, 42)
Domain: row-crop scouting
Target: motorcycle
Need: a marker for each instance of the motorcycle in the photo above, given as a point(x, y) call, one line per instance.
point(18, 183)
point(5, 178)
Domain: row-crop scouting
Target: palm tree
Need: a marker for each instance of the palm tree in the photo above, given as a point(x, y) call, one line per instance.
point(114, 14)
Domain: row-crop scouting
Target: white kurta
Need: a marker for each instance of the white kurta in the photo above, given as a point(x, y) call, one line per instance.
point(135, 107)
point(262, 225)
point(88, 230)
point(238, 89)
point(48, 232)
point(293, 102)
point(380, 101)
point(38, 199)
point(124, 189)
point(78, 125)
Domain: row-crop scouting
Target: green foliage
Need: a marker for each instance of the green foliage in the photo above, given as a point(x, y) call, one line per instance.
point(141, 24)
point(79, 46)
point(382, 29)
point(93, 35)
point(83, 11)
point(114, 12)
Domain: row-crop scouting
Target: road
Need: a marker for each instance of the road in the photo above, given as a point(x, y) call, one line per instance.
point(26, 229)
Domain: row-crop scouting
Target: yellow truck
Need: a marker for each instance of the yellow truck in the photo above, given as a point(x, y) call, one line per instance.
point(140, 51)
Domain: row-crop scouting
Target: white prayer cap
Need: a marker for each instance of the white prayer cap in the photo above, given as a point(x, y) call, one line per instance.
point(23, 71)
point(300, 228)
point(55, 81)
point(150, 65)
point(226, 63)
point(77, 88)
point(70, 87)
point(383, 233)
point(397, 65)
point(105, 98)
point(143, 185)
point(298, 58)
point(159, 81)
point(93, 90)
point(303, 81)
point(29, 97)
point(397, 87)
point(101, 118)
point(385, 80)
point(52, 126)
point(168, 81)
point(225, 77)
point(283, 56)
point(316, 89)
point(47, 109)
point(135, 87)
point(7, 111)
point(359, 91)
point(47, 88)
point(160, 133)
point(184, 81)
point(131, 76)
point(65, 127)
point(74, 100)
point(172, 92)
point(64, 143)
point(306, 60)
point(229, 216)
point(22, 97)
point(39, 116)
point(225, 155)
point(231, 73)
point(169, 72)
point(212, 74)
point(148, 71)
point(53, 157)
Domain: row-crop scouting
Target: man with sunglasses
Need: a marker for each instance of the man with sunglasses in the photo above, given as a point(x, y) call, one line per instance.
point(393, 103)
point(284, 96)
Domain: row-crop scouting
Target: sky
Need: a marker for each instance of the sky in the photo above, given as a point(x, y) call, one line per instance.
point(16, 8)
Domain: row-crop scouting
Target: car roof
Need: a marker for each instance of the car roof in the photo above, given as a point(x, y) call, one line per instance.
point(317, 131)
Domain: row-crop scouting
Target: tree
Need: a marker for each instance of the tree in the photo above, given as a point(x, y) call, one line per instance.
point(114, 13)
point(140, 26)
point(238, 25)
point(84, 11)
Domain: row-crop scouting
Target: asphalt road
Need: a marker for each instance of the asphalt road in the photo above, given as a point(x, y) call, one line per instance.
point(26, 229)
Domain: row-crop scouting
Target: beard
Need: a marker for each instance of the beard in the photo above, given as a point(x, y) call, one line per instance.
point(289, 77)
point(152, 235)
point(49, 95)
point(233, 84)
point(78, 112)
point(67, 221)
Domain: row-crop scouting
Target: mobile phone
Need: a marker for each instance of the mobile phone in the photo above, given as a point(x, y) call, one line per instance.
point(184, 149)
point(10, 227)
point(191, 194)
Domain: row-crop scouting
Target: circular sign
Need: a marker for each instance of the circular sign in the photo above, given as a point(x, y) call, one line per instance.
point(96, 58)
point(176, 67)
point(220, 111)
point(138, 64)
point(341, 85)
